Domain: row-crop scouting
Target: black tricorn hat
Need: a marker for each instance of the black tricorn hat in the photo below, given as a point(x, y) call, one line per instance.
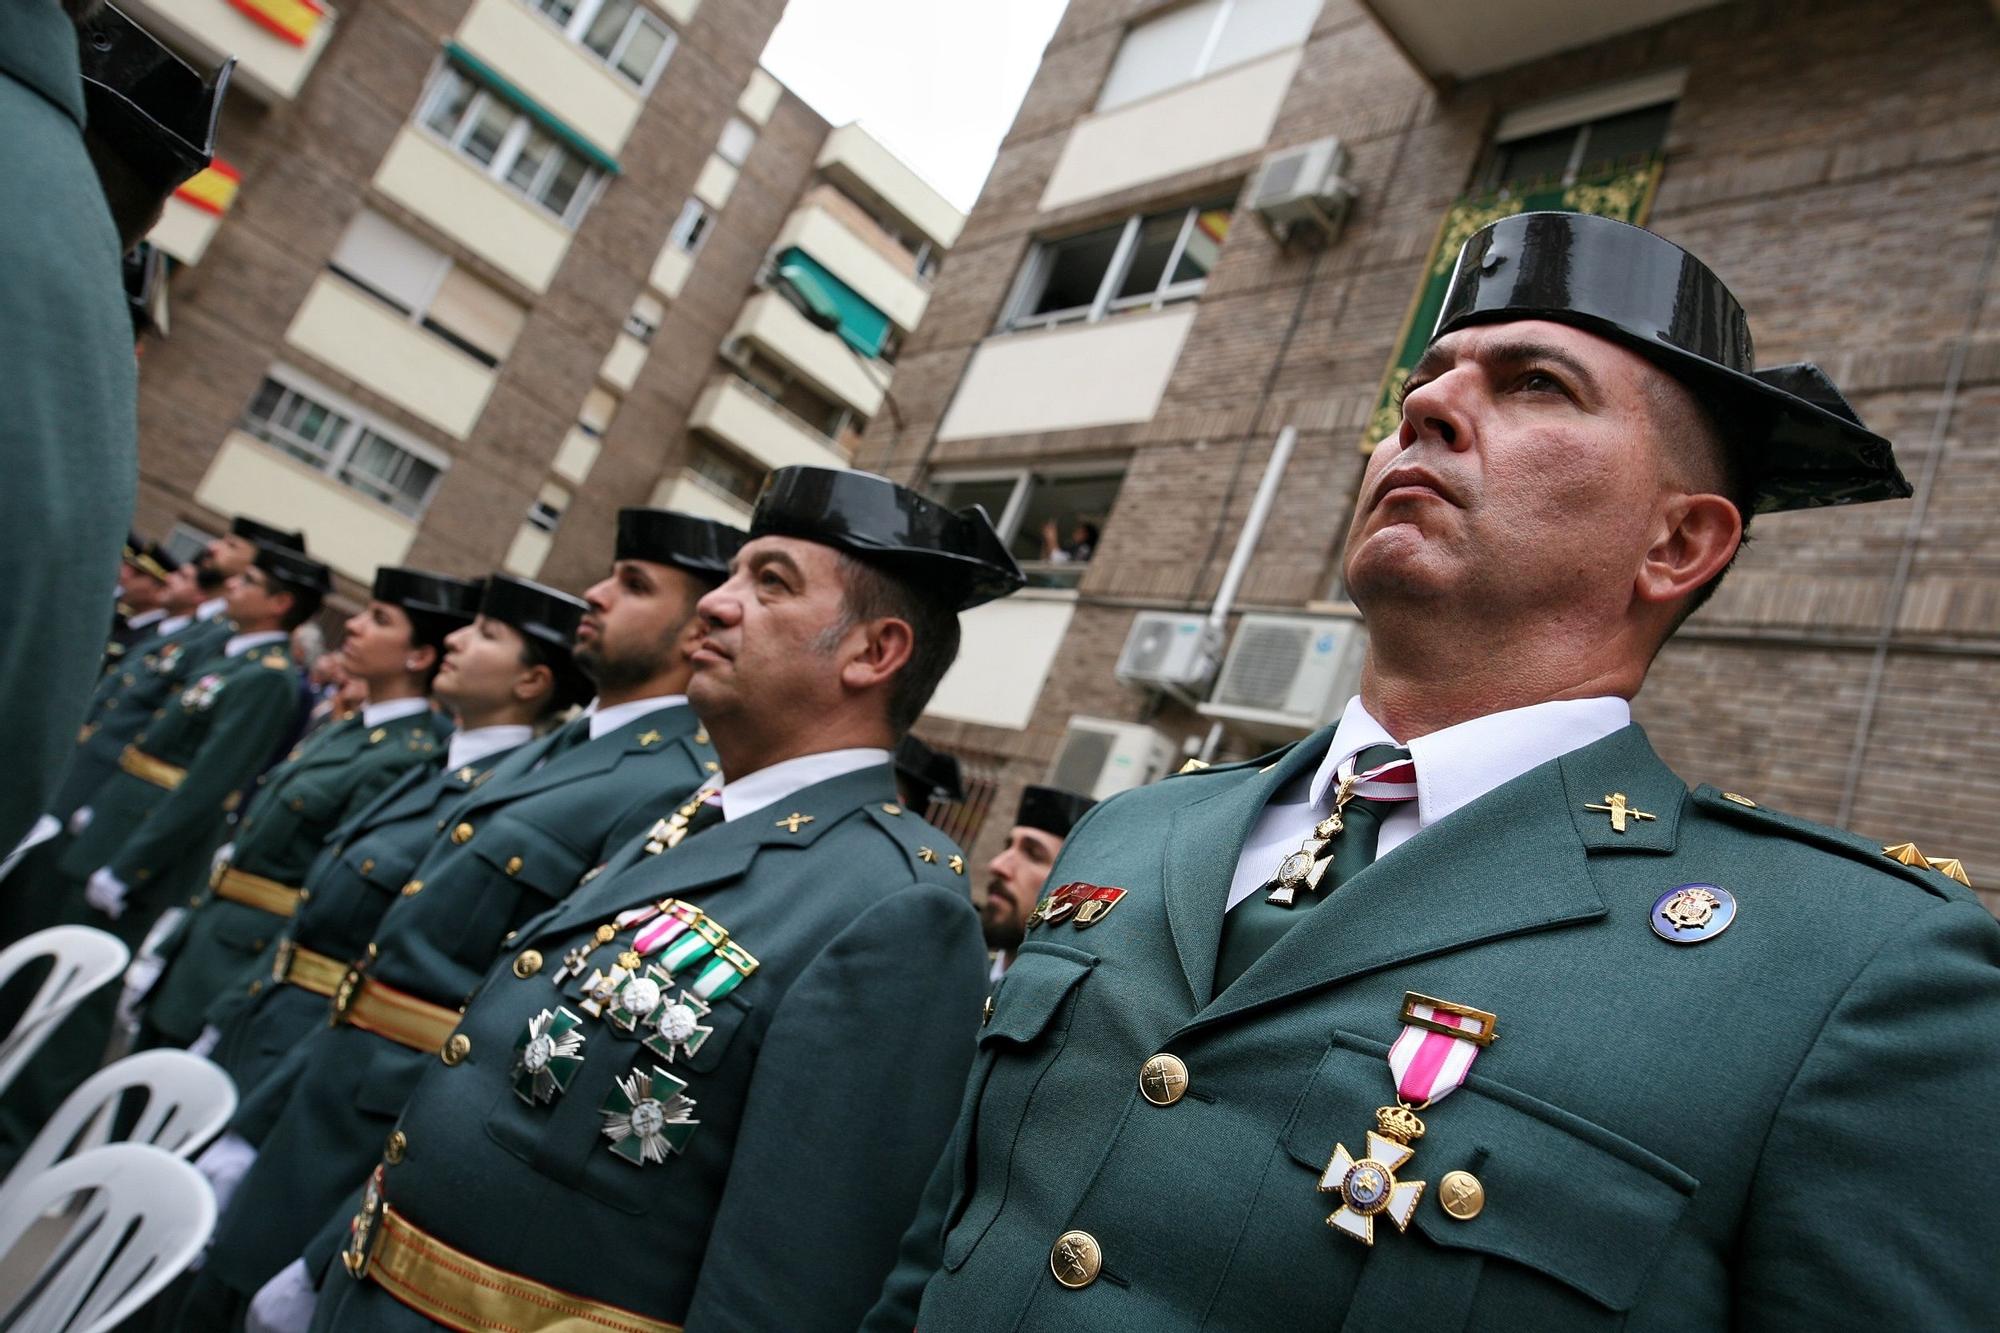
point(440, 597)
point(930, 772)
point(1051, 809)
point(701, 546)
point(1798, 442)
point(957, 557)
point(249, 529)
point(295, 569)
point(152, 108)
point(541, 613)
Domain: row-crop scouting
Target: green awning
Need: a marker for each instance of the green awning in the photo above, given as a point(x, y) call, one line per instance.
point(534, 110)
point(862, 326)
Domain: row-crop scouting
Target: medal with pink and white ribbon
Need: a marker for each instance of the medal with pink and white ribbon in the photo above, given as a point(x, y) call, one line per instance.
point(1428, 1062)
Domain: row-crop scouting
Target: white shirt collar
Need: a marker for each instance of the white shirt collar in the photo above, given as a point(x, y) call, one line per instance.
point(374, 715)
point(145, 618)
point(174, 624)
point(1461, 763)
point(767, 786)
point(603, 720)
point(469, 747)
point(211, 608)
point(244, 642)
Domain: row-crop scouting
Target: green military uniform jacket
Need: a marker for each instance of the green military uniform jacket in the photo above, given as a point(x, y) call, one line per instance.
point(125, 700)
point(822, 1090)
point(325, 782)
point(355, 878)
point(68, 408)
point(220, 730)
point(1786, 1125)
point(508, 851)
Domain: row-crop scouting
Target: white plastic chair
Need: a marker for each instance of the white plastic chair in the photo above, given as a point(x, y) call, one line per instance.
point(188, 1101)
point(84, 960)
point(147, 1215)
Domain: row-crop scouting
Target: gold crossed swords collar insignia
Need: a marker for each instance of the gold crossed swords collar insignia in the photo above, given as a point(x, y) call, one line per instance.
point(1619, 806)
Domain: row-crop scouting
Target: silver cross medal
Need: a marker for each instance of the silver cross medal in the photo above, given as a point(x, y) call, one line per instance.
point(1307, 866)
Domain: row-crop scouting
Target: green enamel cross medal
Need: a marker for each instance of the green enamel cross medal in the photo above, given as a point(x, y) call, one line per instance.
point(678, 1029)
point(547, 1056)
point(637, 999)
point(648, 1115)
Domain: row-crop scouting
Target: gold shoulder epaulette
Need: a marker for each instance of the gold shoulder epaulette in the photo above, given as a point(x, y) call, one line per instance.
point(276, 661)
point(1192, 766)
point(1907, 854)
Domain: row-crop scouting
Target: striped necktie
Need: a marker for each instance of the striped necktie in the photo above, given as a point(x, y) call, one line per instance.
point(1341, 845)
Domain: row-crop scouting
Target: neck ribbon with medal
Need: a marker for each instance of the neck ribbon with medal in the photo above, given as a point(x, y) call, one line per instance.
point(673, 945)
point(1306, 867)
point(1431, 1058)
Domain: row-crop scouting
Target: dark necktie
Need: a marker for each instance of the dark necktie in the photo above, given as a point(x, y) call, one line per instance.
point(1256, 923)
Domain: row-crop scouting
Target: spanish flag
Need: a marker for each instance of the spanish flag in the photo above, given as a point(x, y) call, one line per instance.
point(291, 20)
point(213, 189)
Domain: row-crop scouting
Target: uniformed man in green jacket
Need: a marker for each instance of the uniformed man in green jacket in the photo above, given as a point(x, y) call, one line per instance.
point(154, 823)
point(1466, 1012)
point(507, 852)
point(717, 1072)
point(142, 596)
point(394, 643)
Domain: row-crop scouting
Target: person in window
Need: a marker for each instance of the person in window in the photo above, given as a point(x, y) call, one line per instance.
point(1082, 543)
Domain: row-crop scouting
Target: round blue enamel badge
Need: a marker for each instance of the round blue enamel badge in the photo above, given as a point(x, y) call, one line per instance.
point(1693, 913)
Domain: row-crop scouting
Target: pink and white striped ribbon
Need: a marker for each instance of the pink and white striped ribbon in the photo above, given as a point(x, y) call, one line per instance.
point(1428, 1065)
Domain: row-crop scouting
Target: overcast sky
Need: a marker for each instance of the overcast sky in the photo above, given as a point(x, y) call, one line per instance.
point(937, 81)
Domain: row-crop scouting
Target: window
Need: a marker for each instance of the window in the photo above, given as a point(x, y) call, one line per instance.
point(722, 473)
point(1141, 263)
point(927, 259)
point(547, 510)
point(691, 227)
point(422, 284)
point(1560, 156)
point(1197, 40)
point(594, 417)
point(506, 144)
point(737, 139)
point(313, 426)
point(643, 321)
point(1050, 518)
point(624, 34)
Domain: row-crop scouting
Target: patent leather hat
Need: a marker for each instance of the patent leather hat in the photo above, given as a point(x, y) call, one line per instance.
point(954, 556)
point(541, 613)
point(932, 774)
point(1051, 809)
point(1798, 442)
point(440, 600)
point(701, 546)
point(263, 534)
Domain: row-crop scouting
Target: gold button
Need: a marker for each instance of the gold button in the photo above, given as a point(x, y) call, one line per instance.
point(256, 985)
point(513, 865)
point(392, 1151)
point(527, 963)
point(462, 834)
point(892, 809)
point(456, 1049)
point(298, 803)
point(367, 865)
point(1462, 1195)
point(413, 888)
point(1075, 1259)
point(1163, 1080)
point(305, 896)
point(508, 938)
point(987, 1016)
point(372, 949)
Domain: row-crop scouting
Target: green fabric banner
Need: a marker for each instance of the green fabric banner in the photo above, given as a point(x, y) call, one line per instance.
point(1623, 192)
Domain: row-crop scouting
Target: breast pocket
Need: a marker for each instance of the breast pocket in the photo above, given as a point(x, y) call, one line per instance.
point(1032, 1012)
point(522, 856)
point(1574, 1222)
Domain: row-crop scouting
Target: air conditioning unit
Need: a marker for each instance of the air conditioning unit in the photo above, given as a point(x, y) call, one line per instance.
point(1166, 651)
point(1101, 758)
point(1301, 192)
point(1288, 674)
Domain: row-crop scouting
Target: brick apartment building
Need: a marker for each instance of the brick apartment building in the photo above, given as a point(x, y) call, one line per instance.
point(474, 274)
point(1120, 341)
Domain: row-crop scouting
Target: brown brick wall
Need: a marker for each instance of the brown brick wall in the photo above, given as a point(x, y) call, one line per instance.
point(1837, 163)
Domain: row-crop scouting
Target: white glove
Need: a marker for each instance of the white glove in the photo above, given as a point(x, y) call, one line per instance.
point(45, 828)
point(221, 858)
point(106, 892)
point(225, 1163)
point(284, 1304)
point(204, 1045)
point(79, 820)
point(145, 967)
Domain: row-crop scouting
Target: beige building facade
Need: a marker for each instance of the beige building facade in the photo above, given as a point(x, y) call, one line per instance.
point(1171, 270)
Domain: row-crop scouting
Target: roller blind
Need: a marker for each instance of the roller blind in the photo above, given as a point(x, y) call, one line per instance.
point(477, 314)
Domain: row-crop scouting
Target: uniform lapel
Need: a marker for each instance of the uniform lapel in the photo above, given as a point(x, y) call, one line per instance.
point(644, 734)
point(1516, 860)
point(1204, 843)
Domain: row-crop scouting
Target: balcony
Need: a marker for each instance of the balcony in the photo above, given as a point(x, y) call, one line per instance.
point(816, 355)
point(733, 411)
point(854, 261)
point(691, 493)
point(853, 160)
point(459, 200)
point(373, 345)
point(348, 531)
point(269, 67)
point(537, 58)
point(1457, 40)
point(1070, 377)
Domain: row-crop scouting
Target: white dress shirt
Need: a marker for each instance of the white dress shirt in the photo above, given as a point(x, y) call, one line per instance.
point(767, 786)
point(375, 715)
point(604, 720)
point(239, 643)
point(174, 624)
point(211, 608)
point(145, 618)
point(468, 747)
point(1455, 767)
